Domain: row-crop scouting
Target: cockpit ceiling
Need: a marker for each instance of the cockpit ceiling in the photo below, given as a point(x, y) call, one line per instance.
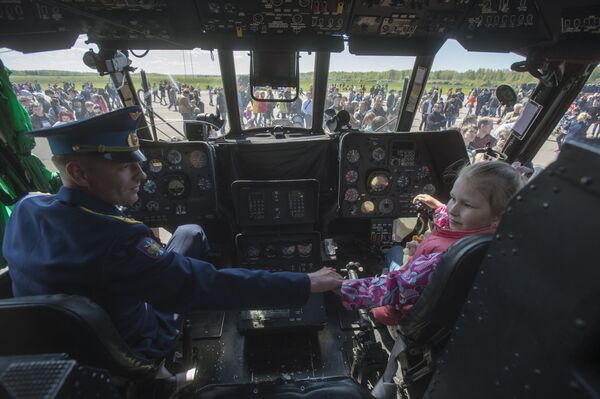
point(401, 27)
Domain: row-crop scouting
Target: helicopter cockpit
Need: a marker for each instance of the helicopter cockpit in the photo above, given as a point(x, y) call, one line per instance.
point(284, 178)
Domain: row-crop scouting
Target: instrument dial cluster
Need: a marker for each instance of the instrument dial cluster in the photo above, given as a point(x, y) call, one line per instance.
point(284, 252)
point(381, 173)
point(180, 184)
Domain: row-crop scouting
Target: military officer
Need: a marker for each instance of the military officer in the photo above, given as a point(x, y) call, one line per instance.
point(79, 242)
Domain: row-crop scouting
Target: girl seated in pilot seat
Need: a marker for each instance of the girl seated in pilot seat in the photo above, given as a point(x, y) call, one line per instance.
point(477, 201)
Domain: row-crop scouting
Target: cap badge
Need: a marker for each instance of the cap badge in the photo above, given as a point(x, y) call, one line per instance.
point(135, 115)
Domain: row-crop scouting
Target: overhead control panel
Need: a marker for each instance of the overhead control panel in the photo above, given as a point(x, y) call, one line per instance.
point(241, 17)
point(180, 184)
point(380, 173)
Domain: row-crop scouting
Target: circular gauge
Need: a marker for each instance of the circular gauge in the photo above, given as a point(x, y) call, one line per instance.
point(353, 156)
point(177, 186)
point(174, 157)
point(351, 176)
point(379, 182)
point(135, 207)
point(403, 181)
point(351, 195)
point(198, 159)
point(367, 207)
point(149, 186)
point(378, 154)
point(386, 206)
point(304, 249)
point(422, 172)
point(204, 184)
point(287, 251)
point(152, 206)
point(270, 251)
point(155, 165)
point(429, 189)
point(252, 252)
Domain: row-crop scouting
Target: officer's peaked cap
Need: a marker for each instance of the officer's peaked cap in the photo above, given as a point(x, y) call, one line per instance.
point(112, 134)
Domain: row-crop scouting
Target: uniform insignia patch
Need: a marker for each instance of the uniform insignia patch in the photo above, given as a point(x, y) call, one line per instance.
point(150, 248)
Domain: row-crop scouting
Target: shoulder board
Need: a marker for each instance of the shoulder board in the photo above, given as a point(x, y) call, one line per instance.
point(121, 218)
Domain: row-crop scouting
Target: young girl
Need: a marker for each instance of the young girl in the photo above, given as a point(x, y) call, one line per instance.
point(477, 202)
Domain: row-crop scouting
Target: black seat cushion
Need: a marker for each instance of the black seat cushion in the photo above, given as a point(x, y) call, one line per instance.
point(434, 314)
point(5, 284)
point(327, 388)
point(71, 324)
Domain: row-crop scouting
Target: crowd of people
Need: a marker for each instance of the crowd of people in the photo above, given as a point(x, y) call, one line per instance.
point(64, 103)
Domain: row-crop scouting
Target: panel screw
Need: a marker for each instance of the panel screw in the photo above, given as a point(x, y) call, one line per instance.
point(585, 180)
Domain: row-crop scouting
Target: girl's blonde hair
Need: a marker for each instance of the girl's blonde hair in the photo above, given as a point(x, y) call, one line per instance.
point(497, 181)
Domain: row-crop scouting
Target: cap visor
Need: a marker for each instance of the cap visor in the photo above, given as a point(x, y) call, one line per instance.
point(133, 156)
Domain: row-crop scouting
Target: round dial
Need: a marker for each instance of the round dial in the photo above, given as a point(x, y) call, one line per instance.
point(155, 165)
point(174, 157)
point(152, 206)
point(353, 156)
point(204, 184)
point(271, 251)
point(149, 186)
point(305, 249)
point(351, 195)
point(386, 206)
point(403, 181)
point(198, 159)
point(422, 172)
point(176, 186)
point(135, 207)
point(378, 154)
point(379, 182)
point(288, 250)
point(351, 176)
point(367, 207)
point(252, 252)
point(429, 189)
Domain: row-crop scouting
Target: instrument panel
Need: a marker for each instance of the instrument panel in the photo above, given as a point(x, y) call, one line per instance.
point(381, 173)
point(299, 252)
point(275, 202)
point(180, 184)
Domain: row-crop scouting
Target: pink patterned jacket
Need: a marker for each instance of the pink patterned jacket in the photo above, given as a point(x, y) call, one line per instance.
point(392, 295)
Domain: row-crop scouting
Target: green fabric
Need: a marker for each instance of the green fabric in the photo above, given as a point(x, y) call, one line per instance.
point(14, 122)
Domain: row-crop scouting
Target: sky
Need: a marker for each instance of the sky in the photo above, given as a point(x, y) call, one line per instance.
point(450, 57)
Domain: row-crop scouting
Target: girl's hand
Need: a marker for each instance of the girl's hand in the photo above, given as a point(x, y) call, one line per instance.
point(427, 200)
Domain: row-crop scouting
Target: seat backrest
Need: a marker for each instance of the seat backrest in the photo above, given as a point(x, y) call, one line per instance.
point(531, 328)
point(432, 317)
point(69, 324)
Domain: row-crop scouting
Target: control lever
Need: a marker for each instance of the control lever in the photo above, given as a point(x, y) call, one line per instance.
point(424, 216)
point(352, 269)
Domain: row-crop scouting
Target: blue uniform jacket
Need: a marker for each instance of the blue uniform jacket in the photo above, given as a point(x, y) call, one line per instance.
point(74, 243)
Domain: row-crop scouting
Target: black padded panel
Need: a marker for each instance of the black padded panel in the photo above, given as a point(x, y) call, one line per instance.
point(5, 284)
point(530, 326)
point(328, 388)
point(69, 324)
point(432, 317)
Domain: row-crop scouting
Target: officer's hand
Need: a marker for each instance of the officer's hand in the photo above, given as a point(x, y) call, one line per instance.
point(325, 279)
point(428, 200)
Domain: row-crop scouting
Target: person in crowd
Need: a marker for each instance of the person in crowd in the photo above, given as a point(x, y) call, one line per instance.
point(39, 119)
point(378, 123)
point(88, 111)
point(367, 123)
point(426, 107)
point(435, 120)
point(477, 202)
point(78, 242)
point(184, 105)
point(468, 133)
point(484, 138)
point(378, 107)
point(360, 113)
point(64, 116)
point(97, 110)
point(577, 129)
point(512, 116)
point(307, 109)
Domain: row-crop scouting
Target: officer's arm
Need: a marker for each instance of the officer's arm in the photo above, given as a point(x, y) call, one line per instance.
point(140, 268)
